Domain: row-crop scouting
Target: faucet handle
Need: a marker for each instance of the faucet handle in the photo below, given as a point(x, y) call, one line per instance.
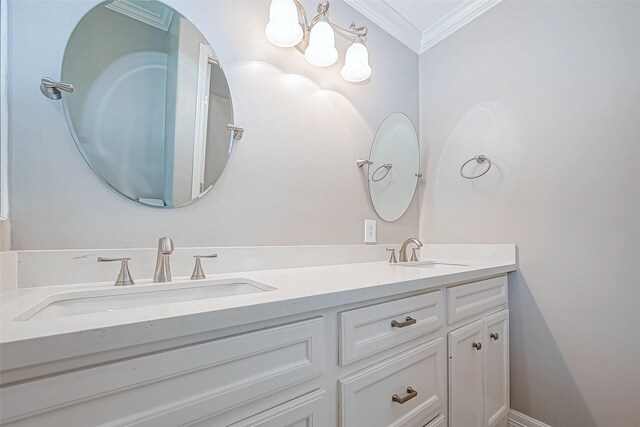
point(413, 254)
point(124, 277)
point(393, 259)
point(198, 272)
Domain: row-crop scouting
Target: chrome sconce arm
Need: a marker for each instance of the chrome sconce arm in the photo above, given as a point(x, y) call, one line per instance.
point(306, 29)
point(354, 33)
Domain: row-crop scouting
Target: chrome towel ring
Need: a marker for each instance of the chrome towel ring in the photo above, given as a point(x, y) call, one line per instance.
point(387, 167)
point(480, 158)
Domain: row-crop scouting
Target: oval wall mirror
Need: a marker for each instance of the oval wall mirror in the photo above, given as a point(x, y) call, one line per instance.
point(151, 105)
point(394, 168)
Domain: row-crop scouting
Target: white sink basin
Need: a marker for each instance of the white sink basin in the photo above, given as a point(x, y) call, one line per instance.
point(430, 264)
point(116, 299)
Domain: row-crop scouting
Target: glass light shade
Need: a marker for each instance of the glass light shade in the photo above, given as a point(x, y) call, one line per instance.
point(356, 64)
point(321, 51)
point(283, 29)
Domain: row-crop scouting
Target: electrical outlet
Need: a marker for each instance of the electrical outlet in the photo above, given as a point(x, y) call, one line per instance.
point(370, 230)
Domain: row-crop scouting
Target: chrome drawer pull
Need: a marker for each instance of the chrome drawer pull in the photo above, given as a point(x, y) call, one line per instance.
point(411, 393)
point(495, 336)
point(408, 321)
point(477, 345)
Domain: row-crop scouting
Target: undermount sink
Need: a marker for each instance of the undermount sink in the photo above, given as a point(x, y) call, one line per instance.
point(116, 299)
point(430, 264)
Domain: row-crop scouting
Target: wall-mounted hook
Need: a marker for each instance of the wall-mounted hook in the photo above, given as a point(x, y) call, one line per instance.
point(51, 88)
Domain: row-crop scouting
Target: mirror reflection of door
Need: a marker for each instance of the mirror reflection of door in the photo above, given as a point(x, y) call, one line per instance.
point(205, 63)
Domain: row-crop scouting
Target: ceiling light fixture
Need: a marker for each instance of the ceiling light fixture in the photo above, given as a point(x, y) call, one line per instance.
point(317, 41)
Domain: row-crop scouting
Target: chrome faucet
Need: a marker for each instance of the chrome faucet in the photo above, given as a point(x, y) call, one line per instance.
point(163, 268)
point(403, 249)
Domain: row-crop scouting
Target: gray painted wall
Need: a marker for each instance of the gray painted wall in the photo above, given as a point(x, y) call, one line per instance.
point(551, 92)
point(292, 178)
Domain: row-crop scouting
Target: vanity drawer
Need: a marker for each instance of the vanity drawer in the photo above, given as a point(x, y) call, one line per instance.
point(368, 330)
point(367, 396)
point(305, 411)
point(178, 386)
point(475, 298)
point(436, 422)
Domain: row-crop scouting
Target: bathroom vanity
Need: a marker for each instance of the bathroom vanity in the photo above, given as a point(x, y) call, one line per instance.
point(347, 344)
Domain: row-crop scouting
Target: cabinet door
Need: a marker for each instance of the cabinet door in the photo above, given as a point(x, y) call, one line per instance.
point(496, 367)
point(466, 350)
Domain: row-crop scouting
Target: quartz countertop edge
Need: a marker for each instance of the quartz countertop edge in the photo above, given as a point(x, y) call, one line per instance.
point(298, 291)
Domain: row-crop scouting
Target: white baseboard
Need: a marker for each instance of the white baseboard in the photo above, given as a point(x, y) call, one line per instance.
point(518, 419)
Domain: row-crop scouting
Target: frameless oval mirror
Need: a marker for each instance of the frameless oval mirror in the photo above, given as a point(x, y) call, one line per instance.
point(150, 105)
point(394, 168)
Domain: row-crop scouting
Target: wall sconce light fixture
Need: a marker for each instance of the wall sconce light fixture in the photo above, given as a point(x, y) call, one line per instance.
point(317, 41)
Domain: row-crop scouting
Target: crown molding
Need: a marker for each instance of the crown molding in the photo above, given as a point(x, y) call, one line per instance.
point(455, 20)
point(155, 14)
point(389, 20)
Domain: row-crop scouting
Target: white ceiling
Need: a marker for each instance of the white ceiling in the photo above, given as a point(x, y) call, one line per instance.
point(420, 24)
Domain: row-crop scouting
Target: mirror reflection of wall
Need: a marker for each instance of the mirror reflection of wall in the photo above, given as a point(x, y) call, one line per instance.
point(4, 131)
point(151, 104)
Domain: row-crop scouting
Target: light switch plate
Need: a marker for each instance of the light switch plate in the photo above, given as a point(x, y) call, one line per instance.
point(370, 230)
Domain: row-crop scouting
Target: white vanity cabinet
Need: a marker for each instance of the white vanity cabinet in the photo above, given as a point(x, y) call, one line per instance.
point(432, 357)
point(479, 372)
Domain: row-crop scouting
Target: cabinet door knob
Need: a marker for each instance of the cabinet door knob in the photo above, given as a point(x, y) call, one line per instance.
point(411, 393)
point(477, 345)
point(408, 321)
point(495, 336)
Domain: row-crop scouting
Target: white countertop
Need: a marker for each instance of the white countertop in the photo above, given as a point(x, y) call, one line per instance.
point(298, 290)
